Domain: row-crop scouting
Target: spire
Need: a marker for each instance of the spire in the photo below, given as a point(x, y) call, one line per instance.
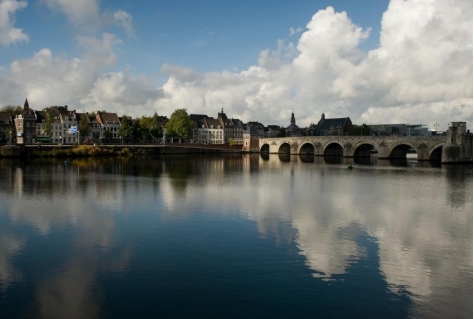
point(293, 121)
point(26, 106)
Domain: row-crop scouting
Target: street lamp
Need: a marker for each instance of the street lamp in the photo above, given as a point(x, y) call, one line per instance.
point(436, 127)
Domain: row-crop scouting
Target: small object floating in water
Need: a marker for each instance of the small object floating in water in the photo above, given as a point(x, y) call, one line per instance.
point(350, 166)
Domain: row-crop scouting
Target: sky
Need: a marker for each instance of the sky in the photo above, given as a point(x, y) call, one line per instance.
point(375, 61)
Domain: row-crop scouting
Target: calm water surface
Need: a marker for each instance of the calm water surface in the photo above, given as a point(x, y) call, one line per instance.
point(235, 237)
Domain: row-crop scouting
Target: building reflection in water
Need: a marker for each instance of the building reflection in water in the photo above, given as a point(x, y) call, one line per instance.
point(322, 209)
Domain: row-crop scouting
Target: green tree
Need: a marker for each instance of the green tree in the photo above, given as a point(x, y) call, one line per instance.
point(150, 127)
point(180, 124)
point(84, 127)
point(231, 142)
point(125, 128)
point(136, 128)
point(12, 110)
point(155, 126)
point(145, 123)
point(49, 120)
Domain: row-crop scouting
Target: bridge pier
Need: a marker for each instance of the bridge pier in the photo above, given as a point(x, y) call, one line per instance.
point(459, 145)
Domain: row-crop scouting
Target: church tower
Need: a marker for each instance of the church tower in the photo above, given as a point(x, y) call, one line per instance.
point(26, 106)
point(293, 121)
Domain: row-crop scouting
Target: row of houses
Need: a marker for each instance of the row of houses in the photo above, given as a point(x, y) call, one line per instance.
point(30, 126)
point(221, 130)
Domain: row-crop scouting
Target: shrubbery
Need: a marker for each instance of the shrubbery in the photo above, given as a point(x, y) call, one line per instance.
point(81, 151)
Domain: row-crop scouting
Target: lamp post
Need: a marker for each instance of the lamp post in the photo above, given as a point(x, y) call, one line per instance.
point(436, 127)
point(11, 143)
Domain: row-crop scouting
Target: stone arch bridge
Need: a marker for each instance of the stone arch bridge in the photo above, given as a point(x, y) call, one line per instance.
point(426, 147)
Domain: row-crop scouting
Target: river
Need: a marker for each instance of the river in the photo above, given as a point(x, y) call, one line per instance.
point(235, 236)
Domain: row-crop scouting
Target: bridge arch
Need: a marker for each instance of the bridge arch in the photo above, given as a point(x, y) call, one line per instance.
point(265, 148)
point(363, 149)
point(284, 148)
point(400, 149)
point(435, 152)
point(333, 148)
point(306, 148)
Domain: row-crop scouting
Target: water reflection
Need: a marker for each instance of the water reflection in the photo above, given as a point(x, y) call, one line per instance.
point(369, 160)
point(333, 159)
point(9, 247)
point(419, 219)
point(284, 157)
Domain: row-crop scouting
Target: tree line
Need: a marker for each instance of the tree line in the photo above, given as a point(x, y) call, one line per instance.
point(145, 128)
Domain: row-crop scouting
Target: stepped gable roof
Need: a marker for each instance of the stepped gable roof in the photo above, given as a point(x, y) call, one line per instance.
point(5, 118)
point(332, 124)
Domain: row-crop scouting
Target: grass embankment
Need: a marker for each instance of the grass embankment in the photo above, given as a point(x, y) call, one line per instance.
point(80, 151)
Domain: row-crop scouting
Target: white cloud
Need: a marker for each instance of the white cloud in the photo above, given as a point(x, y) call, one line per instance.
point(122, 93)
point(81, 13)
point(86, 15)
point(420, 73)
point(54, 80)
point(294, 31)
point(124, 19)
point(8, 33)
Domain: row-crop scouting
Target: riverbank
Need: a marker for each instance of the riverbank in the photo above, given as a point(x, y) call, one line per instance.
point(38, 151)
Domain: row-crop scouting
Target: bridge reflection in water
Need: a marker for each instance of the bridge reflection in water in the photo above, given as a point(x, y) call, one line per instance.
point(372, 160)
